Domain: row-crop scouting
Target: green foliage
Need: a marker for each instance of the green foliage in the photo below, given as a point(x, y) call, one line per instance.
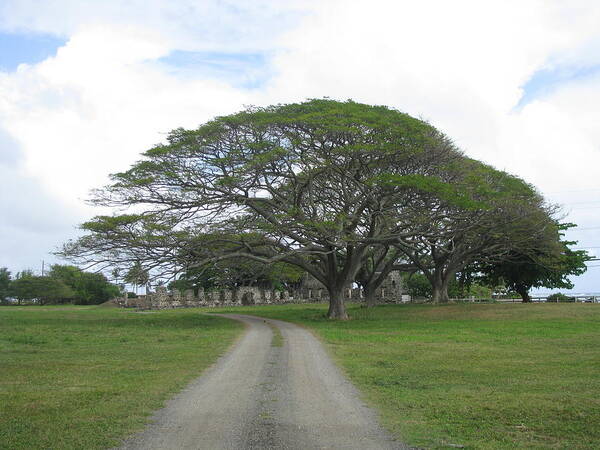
point(137, 275)
point(318, 185)
point(450, 192)
point(88, 288)
point(559, 297)
point(110, 223)
point(480, 291)
point(549, 266)
point(4, 283)
point(44, 289)
point(417, 285)
point(232, 273)
point(63, 283)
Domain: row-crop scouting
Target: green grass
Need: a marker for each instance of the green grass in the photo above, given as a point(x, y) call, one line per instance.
point(478, 375)
point(83, 377)
point(277, 340)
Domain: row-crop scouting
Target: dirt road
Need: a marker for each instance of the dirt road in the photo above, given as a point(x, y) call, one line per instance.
point(264, 396)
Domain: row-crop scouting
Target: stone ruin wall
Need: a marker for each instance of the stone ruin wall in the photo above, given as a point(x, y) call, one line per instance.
point(311, 291)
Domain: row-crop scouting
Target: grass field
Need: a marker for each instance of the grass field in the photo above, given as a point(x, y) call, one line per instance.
point(82, 377)
point(474, 375)
point(478, 376)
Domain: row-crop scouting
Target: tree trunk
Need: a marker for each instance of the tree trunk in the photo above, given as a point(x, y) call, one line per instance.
point(440, 293)
point(439, 286)
point(370, 298)
point(524, 293)
point(337, 309)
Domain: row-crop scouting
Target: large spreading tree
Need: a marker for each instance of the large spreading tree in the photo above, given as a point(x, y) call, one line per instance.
point(301, 179)
point(329, 187)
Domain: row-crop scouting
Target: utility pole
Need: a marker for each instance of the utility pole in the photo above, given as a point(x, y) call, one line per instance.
point(42, 267)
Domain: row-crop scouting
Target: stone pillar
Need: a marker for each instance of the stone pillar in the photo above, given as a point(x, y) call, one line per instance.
point(235, 296)
point(189, 298)
point(266, 295)
point(226, 296)
point(160, 299)
point(213, 297)
point(175, 298)
point(201, 297)
point(276, 297)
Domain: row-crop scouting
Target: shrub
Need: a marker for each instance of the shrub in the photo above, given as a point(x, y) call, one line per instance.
point(559, 297)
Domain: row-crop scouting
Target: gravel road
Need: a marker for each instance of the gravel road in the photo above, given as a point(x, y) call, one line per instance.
point(262, 396)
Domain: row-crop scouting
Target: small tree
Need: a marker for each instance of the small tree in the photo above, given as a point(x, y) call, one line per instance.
point(417, 285)
point(43, 289)
point(137, 275)
point(550, 266)
point(88, 288)
point(560, 298)
point(5, 279)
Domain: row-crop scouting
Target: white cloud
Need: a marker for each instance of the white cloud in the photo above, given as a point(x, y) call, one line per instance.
point(103, 99)
point(185, 24)
point(94, 107)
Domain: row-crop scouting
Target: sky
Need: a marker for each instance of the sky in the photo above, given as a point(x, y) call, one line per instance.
point(86, 86)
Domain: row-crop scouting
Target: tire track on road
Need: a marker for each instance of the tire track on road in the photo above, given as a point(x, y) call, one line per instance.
point(263, 396)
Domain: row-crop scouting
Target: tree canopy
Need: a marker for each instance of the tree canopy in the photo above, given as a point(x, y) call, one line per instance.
point(4, 283)
point(88, 288)
point(62, 284)
point(321, 185)
point(496, 214)
point(44, 289)
point(549, 265)
point(234, 273)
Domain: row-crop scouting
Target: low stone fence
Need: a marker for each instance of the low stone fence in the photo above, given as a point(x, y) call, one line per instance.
point(243, 296)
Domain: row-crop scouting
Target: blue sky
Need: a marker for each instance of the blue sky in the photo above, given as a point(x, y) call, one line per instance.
point(241, 69)
point(547, 80)
point(28, 48)
point(245, 70)
point(248, 69)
